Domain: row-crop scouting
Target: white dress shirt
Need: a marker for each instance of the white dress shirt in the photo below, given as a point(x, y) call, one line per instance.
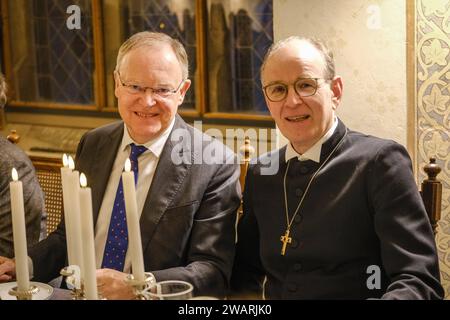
point(312, 153)
point(147, 163)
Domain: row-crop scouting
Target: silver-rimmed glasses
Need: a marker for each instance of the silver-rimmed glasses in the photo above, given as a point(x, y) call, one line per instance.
point(161, 93)
point(304, 87)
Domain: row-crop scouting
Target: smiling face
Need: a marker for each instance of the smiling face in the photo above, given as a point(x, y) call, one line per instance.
point(302, 120)
point(155, 67)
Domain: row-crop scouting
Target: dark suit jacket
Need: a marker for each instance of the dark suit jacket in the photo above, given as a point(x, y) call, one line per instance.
point(363, 211)
point(13, 157)
point(188, 220)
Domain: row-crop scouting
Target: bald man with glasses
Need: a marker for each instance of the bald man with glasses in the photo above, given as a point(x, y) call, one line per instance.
point(342, 217)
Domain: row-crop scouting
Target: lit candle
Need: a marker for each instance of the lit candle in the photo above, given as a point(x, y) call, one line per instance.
point(65, 172)
point(73, 187)
point(87, 234)
point(134, 232)
point(19, 233)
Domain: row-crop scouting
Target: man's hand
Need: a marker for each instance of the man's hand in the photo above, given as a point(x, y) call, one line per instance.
point(112, 285)
point(7, 269)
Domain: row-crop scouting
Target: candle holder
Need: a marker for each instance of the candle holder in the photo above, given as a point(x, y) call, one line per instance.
point(73, 281)
point(36, 291)
point(24, 295)
point(140, 287)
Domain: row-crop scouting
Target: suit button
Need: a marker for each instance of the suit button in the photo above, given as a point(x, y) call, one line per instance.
point(292, 287)
point(294, 243)
point(298, 192)
point(304, 170)
point(298, 267)
point(298, 218)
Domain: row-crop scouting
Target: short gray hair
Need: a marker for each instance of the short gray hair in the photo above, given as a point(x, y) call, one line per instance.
point(152, 39)
point(327, 54)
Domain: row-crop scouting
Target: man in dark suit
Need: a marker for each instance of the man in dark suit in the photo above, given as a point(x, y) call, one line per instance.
point(342, 217)
point(13, 157)
point(187, 202)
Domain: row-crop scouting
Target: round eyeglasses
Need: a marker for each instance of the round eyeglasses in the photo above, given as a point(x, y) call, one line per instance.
point(162, 93)
point(304, 87)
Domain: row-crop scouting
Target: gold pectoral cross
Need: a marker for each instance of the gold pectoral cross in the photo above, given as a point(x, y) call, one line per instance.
point(285, 239)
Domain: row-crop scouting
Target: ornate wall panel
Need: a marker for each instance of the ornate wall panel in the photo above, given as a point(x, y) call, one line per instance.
point(433, 108)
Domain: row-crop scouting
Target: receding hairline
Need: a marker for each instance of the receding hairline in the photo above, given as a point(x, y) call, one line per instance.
point(154, 40)
point(150, 47)
point(317, 44)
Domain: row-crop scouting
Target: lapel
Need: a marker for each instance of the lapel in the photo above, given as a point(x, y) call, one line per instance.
point(329, 145)
point(166, 183)
point(103, 162)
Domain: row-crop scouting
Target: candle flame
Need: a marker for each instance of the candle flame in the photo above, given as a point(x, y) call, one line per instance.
point(71, 163)
point(83, 180)
point(15, 175)
point(128, 165)
point(65, 160)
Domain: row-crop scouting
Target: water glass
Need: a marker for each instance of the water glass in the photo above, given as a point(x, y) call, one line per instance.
point(170, 290)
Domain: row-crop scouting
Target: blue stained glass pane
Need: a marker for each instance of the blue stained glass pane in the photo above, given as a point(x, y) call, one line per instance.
point(65, 62)
point(172, 17)
point(239, 35)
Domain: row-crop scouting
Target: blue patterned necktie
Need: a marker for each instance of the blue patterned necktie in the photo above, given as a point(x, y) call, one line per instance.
point(117, 241)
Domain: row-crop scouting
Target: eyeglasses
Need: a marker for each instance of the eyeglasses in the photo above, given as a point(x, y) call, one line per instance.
point(157, 93)
point(304, 87)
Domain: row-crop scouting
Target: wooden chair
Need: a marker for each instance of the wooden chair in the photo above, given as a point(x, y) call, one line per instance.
point(48, 172)
point(247, 151)
point(49, 176)
point(13, 137)
point(431, 192)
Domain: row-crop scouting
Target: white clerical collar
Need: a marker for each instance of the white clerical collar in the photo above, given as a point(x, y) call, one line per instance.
point(312, 153)
point(155, 145)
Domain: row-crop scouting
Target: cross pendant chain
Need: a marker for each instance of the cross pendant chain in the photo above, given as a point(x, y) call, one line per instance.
point(289, 220)
point(285, 239)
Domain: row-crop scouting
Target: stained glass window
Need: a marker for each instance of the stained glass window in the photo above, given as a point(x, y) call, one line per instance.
point(173, 17)
point(52, 63)
point(239, 34)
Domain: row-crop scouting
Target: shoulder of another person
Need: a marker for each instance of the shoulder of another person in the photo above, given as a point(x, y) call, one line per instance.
point(12, 154)
point(210, 145)
point(372, 144)
point(272, 154)
point(96, 135)
point(106, 129)
point(267, 164)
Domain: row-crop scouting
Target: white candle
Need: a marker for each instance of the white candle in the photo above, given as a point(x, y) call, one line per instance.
point(65, 172)
point(19, 233)
point(73, 187)
point(134, 232)
point(87, 234)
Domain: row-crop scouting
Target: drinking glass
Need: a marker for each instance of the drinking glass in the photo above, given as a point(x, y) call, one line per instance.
point(170, 290)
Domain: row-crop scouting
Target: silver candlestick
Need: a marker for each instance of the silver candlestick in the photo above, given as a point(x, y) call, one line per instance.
point(24, 295)
point(140, 287)
point(73, 281)
point(36, 291)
